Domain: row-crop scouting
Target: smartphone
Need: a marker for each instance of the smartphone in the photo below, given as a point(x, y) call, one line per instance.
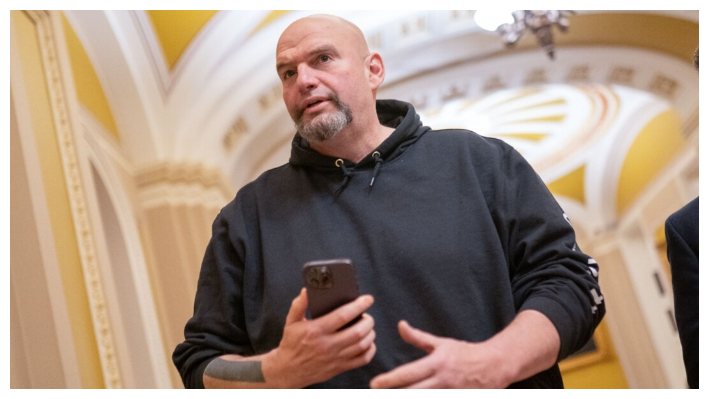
point(330, 284)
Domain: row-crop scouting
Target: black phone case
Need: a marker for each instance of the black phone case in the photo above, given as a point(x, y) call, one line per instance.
point(330, 284)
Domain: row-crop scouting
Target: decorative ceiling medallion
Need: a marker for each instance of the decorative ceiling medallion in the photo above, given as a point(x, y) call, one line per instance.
point(549, 124)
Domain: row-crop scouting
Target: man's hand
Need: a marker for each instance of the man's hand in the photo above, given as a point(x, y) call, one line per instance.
point(527, 346)
point(310, 351)
point(313, 351)
point(449, 364)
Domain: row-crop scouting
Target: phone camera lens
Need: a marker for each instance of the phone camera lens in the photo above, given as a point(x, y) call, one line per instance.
point(319, 277)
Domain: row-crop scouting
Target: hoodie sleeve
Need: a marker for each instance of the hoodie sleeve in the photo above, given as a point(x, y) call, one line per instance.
point(217, 326)
point(548, 271)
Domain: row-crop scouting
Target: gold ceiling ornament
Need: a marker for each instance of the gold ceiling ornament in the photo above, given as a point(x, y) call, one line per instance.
point(540, 23)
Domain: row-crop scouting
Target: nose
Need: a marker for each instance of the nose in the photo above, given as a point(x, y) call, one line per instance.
point(307, 78)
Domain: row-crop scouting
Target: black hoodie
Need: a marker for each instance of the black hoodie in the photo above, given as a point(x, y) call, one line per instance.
point(449, 230)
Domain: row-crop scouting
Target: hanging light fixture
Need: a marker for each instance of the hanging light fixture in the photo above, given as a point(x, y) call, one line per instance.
point(539, 22)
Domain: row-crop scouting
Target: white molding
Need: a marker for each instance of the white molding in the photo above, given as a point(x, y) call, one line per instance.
point(47, 250)
point(642, 264)
point(145, 32)
point(144, 319)
point(56, 69)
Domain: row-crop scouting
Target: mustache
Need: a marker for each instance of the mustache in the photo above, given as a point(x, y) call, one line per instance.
point(332, 97)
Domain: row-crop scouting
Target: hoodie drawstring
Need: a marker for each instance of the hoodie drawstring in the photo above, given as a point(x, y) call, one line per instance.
point(346, 172)
point(378, 162)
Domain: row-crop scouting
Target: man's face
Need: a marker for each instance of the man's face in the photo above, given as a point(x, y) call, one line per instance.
point(321, 65)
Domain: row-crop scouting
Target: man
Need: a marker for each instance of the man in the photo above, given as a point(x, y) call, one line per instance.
point(474, 268)
point(682, 232)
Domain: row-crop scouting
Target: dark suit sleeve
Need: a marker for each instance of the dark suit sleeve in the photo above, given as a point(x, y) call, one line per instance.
point(682, 232)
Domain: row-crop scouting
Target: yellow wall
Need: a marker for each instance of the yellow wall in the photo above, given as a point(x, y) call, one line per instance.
point(175, 30)
point(88, 87)
point(653, 148)
point(57, 198)
point(571, 185)
point(601, 369)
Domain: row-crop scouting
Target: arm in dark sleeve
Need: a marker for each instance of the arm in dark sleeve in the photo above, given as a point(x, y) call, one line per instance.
point(217, 326)
point(548, 271)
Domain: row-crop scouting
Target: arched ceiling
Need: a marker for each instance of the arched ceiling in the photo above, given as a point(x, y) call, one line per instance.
point(173, 41)
point(200, 88)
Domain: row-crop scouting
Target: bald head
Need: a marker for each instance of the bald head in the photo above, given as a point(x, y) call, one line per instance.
point(323, 24)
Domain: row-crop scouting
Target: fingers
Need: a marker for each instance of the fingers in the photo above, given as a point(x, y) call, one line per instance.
point(417, 374)
point(418, 338)
point(298, 308)
point(339, 317)
point(369, 355)
point(429, 383)
point(404, 376)
point(358, 361)
point(360, 344)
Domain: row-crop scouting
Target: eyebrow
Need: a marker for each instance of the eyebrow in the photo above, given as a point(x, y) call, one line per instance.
point(326, 48)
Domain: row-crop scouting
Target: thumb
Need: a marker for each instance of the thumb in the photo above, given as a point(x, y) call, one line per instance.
point(418, 338)
point(298, 308)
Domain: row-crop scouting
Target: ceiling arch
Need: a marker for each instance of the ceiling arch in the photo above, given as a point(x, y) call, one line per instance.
point(219, 103)
point(176, 29)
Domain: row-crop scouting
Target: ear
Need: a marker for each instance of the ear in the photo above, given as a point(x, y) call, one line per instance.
point(375, 70)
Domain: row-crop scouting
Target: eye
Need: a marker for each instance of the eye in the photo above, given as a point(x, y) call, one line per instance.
point(288, 74)
point(325, 58)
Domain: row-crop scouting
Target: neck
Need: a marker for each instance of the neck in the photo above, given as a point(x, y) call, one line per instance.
point(353, 143)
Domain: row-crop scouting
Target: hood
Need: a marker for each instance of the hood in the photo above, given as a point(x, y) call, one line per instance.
point(392, 113)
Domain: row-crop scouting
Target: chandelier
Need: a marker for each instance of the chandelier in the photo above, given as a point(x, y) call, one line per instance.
point(539, 22)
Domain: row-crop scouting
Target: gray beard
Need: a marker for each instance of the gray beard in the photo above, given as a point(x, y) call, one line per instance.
point(326, 126)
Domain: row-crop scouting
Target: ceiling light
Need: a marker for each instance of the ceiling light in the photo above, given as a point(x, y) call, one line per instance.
point(539, 22)
point(490, 20)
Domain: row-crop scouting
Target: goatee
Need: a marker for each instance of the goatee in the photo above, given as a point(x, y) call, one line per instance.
point(325, 126)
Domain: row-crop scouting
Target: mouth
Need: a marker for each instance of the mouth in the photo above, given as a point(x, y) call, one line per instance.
point(314, 103)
